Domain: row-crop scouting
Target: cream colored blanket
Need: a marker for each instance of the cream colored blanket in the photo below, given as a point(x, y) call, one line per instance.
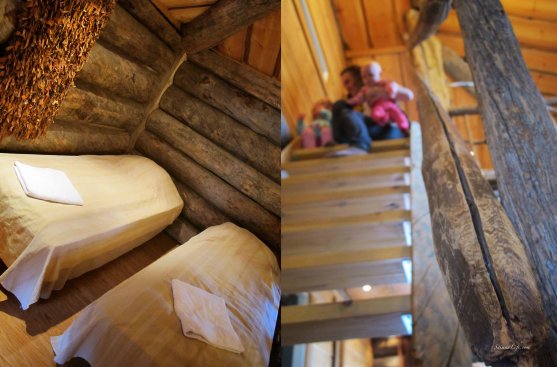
point(134, 324)
point(128, 200)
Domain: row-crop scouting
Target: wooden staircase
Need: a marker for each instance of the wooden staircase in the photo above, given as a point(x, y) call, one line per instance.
point(346, 224)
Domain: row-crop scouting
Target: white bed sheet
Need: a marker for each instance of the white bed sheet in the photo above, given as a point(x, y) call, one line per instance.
point(128, 200)
point(134, 324)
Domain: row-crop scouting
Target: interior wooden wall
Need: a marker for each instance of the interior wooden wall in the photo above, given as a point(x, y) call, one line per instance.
point(535, 25)
point(221, 146)
point(108, 101)
point(258, 45)
point(303, 81)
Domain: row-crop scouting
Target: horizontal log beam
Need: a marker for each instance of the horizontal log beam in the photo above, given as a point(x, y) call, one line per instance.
point(257, 115)
point(181, 230)
point(146, 13)
point(84, 105)
point(111, 72)
point(197, 210)
point(243, 177)
point(72, 138)
point(128, 35)
point(223, 130)
point(329, 277)
point(227, 199)
point(473, 235)
point(432, 14)
point(222, 20)
point(241, 75)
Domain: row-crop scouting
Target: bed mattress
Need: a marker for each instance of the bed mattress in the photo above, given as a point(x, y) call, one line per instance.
point(135, 324)
point(128, 200)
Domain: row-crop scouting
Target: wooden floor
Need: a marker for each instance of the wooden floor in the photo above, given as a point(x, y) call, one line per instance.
point(25, 335)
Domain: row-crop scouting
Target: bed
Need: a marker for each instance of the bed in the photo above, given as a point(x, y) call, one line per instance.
point(134, 324)
point(128, 200)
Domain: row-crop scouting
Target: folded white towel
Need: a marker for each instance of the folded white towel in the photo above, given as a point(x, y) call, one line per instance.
point(204, 317)
point(47, 184)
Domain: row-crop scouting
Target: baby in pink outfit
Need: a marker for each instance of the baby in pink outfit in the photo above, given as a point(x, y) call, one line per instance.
point(381, 97)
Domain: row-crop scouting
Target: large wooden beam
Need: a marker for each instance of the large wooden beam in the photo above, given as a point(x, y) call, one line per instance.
point(250, 111)
point(223, 130)
point(83, 105)
point(128, 35)
point(241, 75)
point(72, 138)
point(115, 74)
point(482, 258)
point(435, 324)
point(226, 198)
point(432, 14)
point(373, 318)
point(521, 137)
point(223, 19)
point(148, 14)
point(240, 175)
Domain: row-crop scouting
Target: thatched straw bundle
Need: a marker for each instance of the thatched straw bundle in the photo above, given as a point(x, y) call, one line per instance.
point(49, 47)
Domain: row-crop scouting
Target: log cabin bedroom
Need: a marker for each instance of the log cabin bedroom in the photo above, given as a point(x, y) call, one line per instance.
point(140, 183)
point(435, 247)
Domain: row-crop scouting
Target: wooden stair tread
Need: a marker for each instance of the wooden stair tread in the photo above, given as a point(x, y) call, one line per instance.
point(341, 276)
point(345, 184)
point(362, 172)
point(348, 221)
point(331, 239)
point(301, 198)
point(353, 158)
point(343, 207)
point(337, 165)
point(370, 318)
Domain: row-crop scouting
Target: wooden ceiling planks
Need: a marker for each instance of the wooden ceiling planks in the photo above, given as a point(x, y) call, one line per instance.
point(264, 45)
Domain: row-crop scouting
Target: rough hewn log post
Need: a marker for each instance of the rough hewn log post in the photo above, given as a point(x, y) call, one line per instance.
point(485, 265)
point(521, 136)
point(432, 14)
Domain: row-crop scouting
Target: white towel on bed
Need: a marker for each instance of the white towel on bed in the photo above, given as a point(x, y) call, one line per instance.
point(47, 184)
point(204, 317)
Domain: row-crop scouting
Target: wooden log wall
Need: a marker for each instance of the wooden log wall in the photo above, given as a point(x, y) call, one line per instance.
point(217, 133)
point(305, 81)
point(106, 106)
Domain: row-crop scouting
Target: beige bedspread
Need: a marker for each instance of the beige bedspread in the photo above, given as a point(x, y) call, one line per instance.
point(134, 324)
point(128, 200)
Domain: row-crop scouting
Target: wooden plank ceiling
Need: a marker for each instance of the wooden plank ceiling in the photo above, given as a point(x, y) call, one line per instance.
point(257, 45)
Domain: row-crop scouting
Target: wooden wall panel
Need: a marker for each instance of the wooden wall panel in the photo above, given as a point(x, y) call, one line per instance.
point(264, 46)
point(301, 83)
point(257, 45)
point(356, 353)
point(382, 24)
point(353, 24)
point(204, 135)
point(328, 34)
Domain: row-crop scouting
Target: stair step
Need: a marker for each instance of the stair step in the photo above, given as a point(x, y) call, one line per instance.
point(343, 207)
point(373, 318)
point(295, 199)
point(341, 276)
point(341, 256)
point(344, 183)
point(339, 165)
point(348, 221)
point(345, 160)
point(367, 172)
point(366, 236)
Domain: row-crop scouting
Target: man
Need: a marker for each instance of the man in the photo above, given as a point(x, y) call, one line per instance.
point(350, 126)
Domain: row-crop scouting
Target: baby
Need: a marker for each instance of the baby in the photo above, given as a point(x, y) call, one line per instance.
point(381, 97)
